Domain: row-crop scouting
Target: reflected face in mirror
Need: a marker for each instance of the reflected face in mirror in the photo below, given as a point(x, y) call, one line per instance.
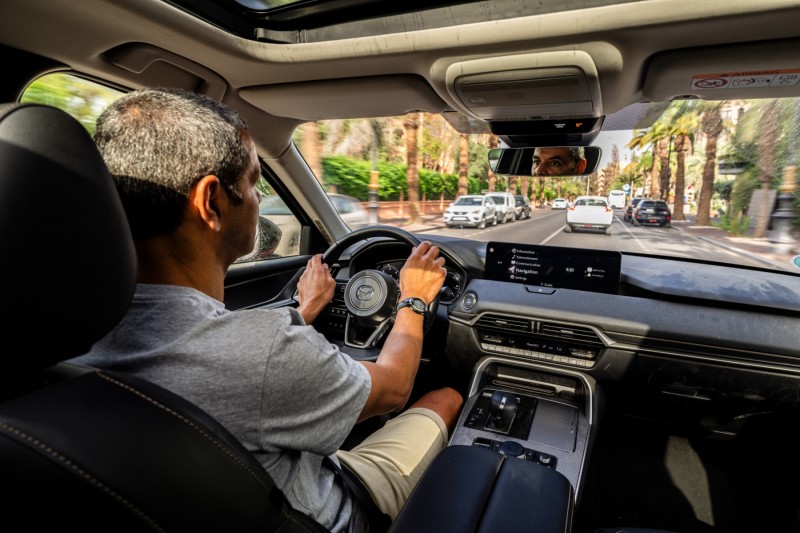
point(558, 161)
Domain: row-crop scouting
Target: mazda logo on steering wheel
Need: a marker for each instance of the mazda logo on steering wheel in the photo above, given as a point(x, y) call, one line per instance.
point(365, 293)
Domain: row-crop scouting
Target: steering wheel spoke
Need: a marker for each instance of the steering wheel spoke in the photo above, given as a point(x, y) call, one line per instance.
point(365, 337)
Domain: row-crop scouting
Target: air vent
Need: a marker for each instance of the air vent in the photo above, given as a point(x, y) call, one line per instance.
point(504, 323)
point(581, 334)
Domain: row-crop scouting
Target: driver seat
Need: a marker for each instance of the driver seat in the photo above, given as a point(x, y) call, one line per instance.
point(91, 449)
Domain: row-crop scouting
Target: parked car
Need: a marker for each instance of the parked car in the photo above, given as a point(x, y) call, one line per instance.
point(628, 217)
point(590, 213)
point(655, 373)
point(474, 210)
point(506, 206)
point(560, 203)
point(352, 211)
point(523, 207)
point(653, 212)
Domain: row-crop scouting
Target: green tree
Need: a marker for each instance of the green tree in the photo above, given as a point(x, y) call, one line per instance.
point(656, 138)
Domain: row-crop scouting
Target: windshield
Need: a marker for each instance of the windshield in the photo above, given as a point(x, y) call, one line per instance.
point(590, 202)
point(718, 167)
point(723, 174)
point(468, 201)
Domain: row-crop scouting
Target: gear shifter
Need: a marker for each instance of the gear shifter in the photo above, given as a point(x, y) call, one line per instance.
point(502, 410)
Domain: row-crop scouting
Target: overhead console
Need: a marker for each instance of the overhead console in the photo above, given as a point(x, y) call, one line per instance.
point(546, 85)
point(547, 94)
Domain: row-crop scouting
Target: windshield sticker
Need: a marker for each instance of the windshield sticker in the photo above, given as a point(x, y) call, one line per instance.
point(747, 79)
point(796, 261)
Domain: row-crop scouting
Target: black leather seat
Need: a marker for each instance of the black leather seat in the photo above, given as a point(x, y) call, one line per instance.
point(81, 448)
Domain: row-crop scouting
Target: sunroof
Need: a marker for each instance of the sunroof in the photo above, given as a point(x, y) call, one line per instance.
point(302, 21)
point(266, 5)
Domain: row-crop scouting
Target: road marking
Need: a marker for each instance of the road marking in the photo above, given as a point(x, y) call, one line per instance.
point(558, 231)
point(487, 229)
point(632, 234)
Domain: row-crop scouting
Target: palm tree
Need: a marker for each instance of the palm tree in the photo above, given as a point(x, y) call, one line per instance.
point(656, 137)
point(768, 126)
point(463, 165)
point(374, 178)
point(631, 175)
point(411, 125)
point(684, 122)
point(711, 125)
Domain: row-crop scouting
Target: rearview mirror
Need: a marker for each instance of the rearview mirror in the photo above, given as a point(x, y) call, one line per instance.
point(545, 160)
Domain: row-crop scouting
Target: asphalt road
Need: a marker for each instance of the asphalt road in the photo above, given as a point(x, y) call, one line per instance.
point(547, 227)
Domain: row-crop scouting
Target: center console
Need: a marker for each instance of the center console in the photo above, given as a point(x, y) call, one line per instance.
point(529, 412)
point(515, 461)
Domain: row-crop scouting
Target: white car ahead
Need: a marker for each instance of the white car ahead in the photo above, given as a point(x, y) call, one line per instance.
point(590, 212)
point(471, 210)
point(560, 203)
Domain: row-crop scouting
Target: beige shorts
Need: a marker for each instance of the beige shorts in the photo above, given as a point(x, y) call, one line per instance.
point(391, 461)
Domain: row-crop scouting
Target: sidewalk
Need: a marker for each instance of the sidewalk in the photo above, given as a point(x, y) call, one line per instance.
point(762, 250)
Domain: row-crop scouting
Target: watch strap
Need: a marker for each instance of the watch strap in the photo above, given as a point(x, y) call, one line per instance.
point(416, 304)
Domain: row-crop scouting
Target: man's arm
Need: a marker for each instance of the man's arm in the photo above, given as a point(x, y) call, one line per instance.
point(396, 367)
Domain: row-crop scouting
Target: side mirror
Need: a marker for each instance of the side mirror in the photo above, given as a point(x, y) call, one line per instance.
point(545, 161)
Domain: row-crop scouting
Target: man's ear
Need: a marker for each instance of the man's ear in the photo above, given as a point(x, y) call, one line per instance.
point(581, 166)
point(206, 199)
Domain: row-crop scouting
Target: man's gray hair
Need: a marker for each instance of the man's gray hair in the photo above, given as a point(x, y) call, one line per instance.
point(158, 143)
point(577, 153)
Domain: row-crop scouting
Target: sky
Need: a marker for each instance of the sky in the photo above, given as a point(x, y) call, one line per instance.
point(606, 140)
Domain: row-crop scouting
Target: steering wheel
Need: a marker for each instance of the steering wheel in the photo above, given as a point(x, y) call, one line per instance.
point(371, 295)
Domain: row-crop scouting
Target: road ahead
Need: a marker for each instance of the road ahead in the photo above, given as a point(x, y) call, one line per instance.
point(547, 227)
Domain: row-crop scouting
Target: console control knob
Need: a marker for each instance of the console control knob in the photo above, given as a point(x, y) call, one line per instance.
point(545, 459)
point(512, 449)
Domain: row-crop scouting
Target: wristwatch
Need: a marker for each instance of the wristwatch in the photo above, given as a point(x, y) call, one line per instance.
point(416, 304)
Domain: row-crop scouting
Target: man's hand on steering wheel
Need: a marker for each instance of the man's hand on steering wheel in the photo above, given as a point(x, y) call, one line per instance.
point(314, 289)
point(423, 274)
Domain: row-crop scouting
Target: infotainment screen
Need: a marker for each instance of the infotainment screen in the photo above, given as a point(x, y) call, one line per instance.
point(554, 266)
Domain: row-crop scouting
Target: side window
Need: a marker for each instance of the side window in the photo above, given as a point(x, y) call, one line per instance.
point(278, 232)
point(83, 99)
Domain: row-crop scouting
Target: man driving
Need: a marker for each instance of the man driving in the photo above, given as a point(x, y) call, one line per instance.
point(186, 169)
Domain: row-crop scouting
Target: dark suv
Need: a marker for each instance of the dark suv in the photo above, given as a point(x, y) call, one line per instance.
point(630, 207)
point(653, 212)
point(522, 207)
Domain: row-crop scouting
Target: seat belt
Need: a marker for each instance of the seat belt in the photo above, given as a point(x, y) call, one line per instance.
point(379, 521)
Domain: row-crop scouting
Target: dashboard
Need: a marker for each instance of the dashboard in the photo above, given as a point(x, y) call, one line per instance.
point(686, 312)
point(590, 336)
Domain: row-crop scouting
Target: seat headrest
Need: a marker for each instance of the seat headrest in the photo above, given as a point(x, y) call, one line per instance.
point(67, 259)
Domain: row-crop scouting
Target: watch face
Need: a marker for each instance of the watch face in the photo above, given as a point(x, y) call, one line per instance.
point(416, 305)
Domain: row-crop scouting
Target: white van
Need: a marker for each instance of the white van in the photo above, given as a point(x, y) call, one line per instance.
point(505, 204)
point(616, 199)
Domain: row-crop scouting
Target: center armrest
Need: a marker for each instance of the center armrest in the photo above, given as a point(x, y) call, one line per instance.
point(474, 489)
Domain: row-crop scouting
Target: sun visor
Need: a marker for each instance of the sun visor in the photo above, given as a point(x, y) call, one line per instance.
point(346, 98)
point(766, 69)
point(541, 86)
